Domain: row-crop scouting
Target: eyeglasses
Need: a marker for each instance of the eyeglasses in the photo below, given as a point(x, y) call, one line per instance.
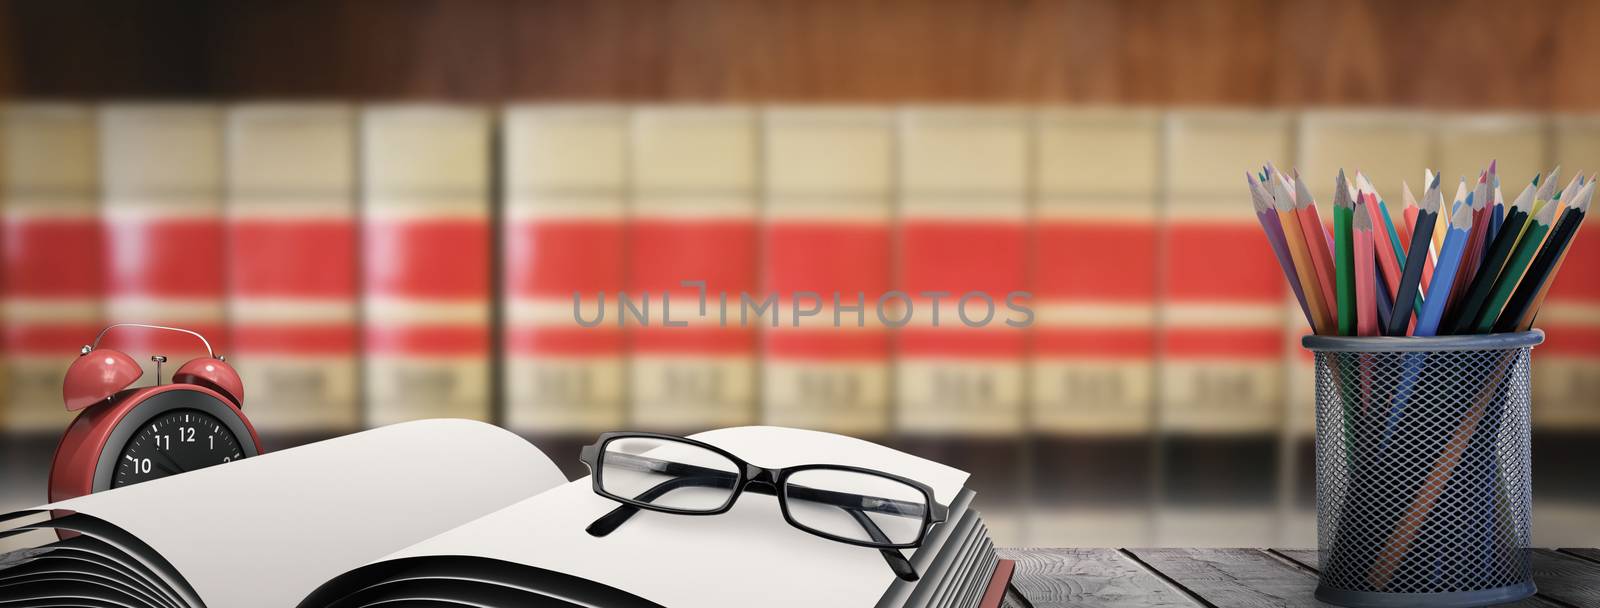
point(845, 504)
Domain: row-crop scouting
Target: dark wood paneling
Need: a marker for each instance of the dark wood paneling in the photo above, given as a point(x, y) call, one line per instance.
point(1434, 54)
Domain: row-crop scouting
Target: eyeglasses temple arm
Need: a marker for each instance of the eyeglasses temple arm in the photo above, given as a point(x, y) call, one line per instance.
point(609, 522)
point(897, 562)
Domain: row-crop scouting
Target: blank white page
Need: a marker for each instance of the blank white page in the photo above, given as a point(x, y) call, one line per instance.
point(747, 556)
point(265, 531)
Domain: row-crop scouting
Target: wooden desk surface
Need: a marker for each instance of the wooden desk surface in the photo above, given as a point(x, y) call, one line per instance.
point(1243, 578)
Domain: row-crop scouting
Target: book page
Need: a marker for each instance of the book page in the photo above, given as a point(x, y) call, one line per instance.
point(265, 531)
point(732, 559)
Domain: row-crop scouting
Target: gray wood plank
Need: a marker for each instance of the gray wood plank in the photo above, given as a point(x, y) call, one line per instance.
point(1309, 559)
point(1236, 578)
point(1305, 557)
point(1239, 577)
point(1566, 578)
point(1592, 555)
point(1098, 578)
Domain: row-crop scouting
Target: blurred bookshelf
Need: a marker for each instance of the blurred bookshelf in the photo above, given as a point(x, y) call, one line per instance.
point(396, 208)
point(1161, 397)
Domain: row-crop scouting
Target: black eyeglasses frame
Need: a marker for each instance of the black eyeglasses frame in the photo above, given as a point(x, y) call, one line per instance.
point(774, 479)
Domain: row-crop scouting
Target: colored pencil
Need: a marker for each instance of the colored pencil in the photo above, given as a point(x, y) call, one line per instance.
point(1540, 271)
point(1482, 202)
point(1497, 216)
point(1433, 250)
point(1538, 227)
point(1546, 192)
point(1442, 226)
point(1319, 244)
point(1490, 270)
point(1380, 295)
point(1538, 300)
point(1267, 215)
point(1411, 278)
point(1408, 213)
point(1365, 268)
point(1386, 241)
point(1300, 254)
point(1445, 215)
point(1479, 201)
point(1344, 265)
point(1455, 242)
point(1494, 201)
point(1465, 317)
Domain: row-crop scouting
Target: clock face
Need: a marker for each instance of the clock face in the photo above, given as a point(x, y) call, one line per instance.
point(175, 441)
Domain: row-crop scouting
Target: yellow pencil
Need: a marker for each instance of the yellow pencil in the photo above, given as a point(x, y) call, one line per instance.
point(1300, 253)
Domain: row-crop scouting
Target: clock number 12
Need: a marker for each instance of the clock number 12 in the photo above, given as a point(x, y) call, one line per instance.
point(185, 435)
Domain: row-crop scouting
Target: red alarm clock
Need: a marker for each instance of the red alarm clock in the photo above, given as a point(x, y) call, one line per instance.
point(129, 435)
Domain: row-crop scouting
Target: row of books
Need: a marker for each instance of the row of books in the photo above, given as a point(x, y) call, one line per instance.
point(373, 264)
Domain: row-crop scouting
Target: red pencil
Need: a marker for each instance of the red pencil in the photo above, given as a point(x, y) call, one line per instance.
point(1366, 286)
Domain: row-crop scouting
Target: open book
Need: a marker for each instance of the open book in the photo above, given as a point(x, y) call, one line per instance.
point(461, 513)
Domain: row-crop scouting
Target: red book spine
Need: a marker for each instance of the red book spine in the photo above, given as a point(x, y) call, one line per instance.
point(963, 251)
point(163, 218)
point(425, 256)
point(1567, 367)
point(1222, 334)
point(694, 217)
point(1092, 364)
point(826, 232)
point(565, 184)
point(53, 257)
point(1095, 255)
point(292, 265)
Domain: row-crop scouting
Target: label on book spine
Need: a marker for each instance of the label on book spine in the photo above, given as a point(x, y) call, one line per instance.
point(163, 214)
point(963, 251)
point(1095, 263)
point(694, 217)
point(1222, 324)
point(426, 256)
point(292, 264)
point(566, 186)
point(826, 233)
point(52, 274)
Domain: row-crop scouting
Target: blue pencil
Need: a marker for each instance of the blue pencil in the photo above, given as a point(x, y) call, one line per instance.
point(1444, 272)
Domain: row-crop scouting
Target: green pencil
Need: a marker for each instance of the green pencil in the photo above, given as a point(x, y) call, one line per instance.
point(1344, 265)
point(1503, 248)
point(1538, 226)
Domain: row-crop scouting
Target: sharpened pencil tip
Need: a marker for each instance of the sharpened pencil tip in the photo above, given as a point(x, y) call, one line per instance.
point(1462, 218)
point(1431, 199)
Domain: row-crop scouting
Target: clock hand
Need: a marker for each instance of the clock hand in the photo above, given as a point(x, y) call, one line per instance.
point(172, 462)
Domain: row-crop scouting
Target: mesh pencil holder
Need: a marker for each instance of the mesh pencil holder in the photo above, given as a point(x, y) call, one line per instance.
point(1424, 494)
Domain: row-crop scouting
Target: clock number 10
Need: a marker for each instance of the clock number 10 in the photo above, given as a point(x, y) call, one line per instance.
point(185, 435)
